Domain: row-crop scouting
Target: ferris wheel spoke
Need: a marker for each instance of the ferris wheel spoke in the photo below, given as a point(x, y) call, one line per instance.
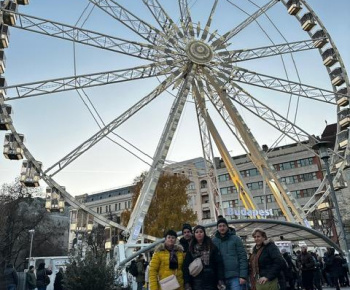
point(86, 81)
point(89, 37)
point(271, 117)
point(163, 19)
point(78, 151)
point(267, 51)
point(208, 24)
point(186, 19)
point(220, 42)
point(134, 23)
point(277, 84)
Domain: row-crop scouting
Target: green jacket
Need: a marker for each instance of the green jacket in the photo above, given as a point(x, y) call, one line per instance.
point(233, 254)
point(31, 280)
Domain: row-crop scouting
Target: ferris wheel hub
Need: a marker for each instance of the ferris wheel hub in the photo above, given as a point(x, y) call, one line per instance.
point(199, 52)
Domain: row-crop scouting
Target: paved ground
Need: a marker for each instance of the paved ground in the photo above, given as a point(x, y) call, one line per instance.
point(341, 288)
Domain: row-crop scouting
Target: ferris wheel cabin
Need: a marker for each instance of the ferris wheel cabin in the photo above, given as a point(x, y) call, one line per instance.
point(319, 38)
point(81, 221)
point(329, 57)
point(2, 62)
point(344, 117)
point(342, 137)
point(4, 36)
point(9, 15)
point(12, 149)
point(293, 7)
point(108, 238)
point(341, 99)
point(22, 2)
point(29, 174)
point(54, 201)
point(307, 21)
point(4, 120)
point(337, 76)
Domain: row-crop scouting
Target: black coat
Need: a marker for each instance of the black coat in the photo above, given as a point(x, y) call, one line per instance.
point(210, 275)
point(58, 281)
point(270, 261)
point(306, 261)
point(185, 244)
point(334, 265)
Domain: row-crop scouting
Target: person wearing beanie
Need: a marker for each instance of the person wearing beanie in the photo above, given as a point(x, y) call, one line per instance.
point(233, 254)
point(212, 275)
point(187, 236)
point(167, 260)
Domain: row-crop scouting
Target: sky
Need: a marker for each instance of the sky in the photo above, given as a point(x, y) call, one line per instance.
point(55, 124)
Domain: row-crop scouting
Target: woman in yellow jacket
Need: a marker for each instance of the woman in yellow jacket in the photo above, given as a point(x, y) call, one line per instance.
point(167, 259)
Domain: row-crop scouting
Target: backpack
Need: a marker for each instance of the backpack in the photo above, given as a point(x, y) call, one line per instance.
point(133, 268)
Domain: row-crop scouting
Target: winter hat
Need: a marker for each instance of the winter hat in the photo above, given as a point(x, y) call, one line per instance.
point(186, 226)
point(170, 233)
point(221, 220)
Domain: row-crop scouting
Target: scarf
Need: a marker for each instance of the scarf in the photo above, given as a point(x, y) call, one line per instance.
point(173, 264)
point(254, 264)
point(199, 251)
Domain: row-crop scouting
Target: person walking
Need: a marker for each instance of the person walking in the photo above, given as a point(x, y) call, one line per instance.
point(58, 284)
point(233, 254)
point(42, 278)
point(291, 273)
point(30, 279)
point(140, 278)
point(11, 277)
point(167, 260)
point(187, 236)
point(265, 263)
point(212, 275)
point(307, 267)
point(334, 264)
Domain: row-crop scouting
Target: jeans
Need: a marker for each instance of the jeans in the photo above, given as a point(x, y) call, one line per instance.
point(233, 284)
point(11, 287)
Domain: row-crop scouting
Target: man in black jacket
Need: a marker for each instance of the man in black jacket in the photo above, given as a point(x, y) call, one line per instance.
point(11, 277)
point(187, 236)
point(307, 264)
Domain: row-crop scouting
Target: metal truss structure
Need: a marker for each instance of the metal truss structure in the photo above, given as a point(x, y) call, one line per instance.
point(199, 64)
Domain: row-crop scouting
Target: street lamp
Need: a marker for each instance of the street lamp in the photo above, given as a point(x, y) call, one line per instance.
point(31, 232)
point(322, 147)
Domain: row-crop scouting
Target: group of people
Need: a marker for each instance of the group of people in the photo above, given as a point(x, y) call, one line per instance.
point(38, 280)
point(226, 265)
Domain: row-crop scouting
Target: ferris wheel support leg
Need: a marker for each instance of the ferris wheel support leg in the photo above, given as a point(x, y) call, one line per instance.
point(232, 169)
point(148, 189)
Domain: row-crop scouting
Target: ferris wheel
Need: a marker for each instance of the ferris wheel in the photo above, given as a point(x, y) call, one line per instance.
point(227, 64)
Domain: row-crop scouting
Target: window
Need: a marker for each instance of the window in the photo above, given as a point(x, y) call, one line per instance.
point(98, 210)
point(116, 207)
point(106, 208)
point(255, 185)
point(230, 203)
point(224, 177)
point(129, 203)
point(228, 190)
point(203, 184)
point(250, 172)
point(206, 214)
point(277, 212)
point(305, 162)
point(287, 165)
point(119, 206)
point(191, 186)
point(109, 208)
point(270, 198)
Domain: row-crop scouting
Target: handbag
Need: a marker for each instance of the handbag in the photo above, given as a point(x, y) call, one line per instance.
point(46, 279)
point(169, 283)
point(195, 267)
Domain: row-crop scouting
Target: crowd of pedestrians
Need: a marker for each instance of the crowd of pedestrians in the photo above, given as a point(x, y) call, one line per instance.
point(38, 279)
point(225, 263)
